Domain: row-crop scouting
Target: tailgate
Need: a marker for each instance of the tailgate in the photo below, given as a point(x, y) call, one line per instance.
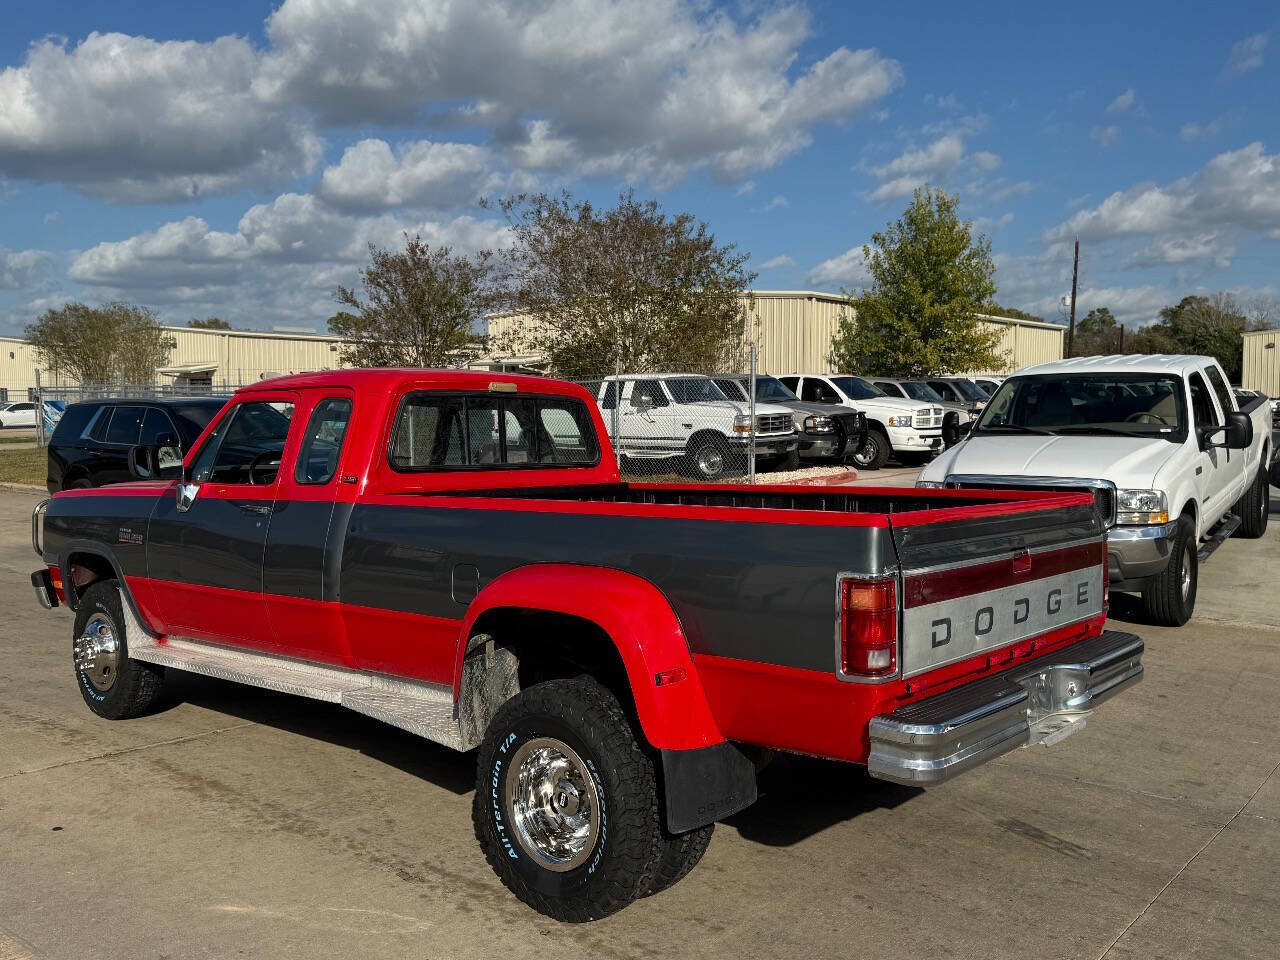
point(976, 579)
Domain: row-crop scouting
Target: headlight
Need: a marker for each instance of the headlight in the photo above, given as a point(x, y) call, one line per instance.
point(899, 421)
point(742, 423)
point(1141, 507)
point(817, 424)
point(932, 484)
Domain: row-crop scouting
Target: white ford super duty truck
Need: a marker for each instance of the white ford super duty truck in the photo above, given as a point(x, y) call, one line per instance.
point(1176, 466)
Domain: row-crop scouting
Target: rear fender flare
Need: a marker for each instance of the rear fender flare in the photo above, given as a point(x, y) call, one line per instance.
point(639, 621)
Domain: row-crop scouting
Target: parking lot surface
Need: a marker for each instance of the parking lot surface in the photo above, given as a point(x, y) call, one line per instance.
point(238, 822)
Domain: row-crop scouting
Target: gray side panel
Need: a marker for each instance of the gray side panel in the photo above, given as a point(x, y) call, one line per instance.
point(118, 523)
point(296, 549)
point(755, 591)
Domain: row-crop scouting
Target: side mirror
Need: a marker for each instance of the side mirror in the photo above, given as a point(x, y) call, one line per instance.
point(1239, 431)
point(158, 461)
point(642, 403)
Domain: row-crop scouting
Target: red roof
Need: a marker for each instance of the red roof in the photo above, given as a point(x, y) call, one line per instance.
point(385, 378)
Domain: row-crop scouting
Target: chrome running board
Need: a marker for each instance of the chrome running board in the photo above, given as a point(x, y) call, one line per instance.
point(1221, 533)
point(425, 709)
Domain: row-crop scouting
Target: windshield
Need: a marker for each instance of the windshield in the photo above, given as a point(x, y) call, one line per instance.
point(1139, 405)
point(694, 389)
point(855, 388)
point(970, 391)
point(772, 390)
point(921, 391)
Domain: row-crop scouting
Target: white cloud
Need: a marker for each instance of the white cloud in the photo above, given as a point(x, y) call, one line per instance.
point(911, 169)
point(1248, 54)
point(649, 91)
point(421, 174)
point(778, 262)
point(1237, 189)
point(745, 187)
point(132, 119)
point(1003, 190)
point(610, 87)
point(1105, 136)
point(1132, 306)
point(778, 202)
point(22, 268)
point(847, 270)
point(1167, 251)
point(992, 224)
point(986, 160)
point(1123, 102)
point(281, 263)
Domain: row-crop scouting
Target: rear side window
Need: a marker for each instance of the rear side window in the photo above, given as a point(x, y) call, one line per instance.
point(437, 431)
point(126, 424)
point(322, 443)
point(73, 422)
point(1221, 389)
point(156, 424)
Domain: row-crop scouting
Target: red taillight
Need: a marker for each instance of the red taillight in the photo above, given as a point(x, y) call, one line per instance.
point(869, 627)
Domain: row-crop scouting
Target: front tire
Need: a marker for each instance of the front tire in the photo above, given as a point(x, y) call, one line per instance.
point(1254, 509)
point(114, 685)
point(709, 457)
point(1170, 598)
point(874, 452)
point(566, 804)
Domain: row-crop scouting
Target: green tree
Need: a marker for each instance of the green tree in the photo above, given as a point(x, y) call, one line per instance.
point(629, 286)
point(421, 307)
point(1096, 333)
point(930, 280)
point(102, 344)
point(1203, 325)
point(209, 323)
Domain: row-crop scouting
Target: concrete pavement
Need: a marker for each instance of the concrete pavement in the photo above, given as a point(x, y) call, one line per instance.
point(238, 822)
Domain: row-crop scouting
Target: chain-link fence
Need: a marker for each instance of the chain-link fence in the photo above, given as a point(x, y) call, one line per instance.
point(723, 426)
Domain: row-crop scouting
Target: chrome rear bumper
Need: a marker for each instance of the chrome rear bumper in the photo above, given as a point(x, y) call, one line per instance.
point(1040, 701)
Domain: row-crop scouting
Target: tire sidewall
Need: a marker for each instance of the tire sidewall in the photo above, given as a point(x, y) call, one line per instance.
point(100, 599)
point(1186, 551)
point(867, 454)
point(695, 460)
point(569, 884)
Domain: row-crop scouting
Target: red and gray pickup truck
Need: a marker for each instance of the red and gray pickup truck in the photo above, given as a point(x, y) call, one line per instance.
point(455, 554)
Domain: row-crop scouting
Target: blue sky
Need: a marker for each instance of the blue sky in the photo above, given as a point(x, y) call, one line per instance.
point(237, 158)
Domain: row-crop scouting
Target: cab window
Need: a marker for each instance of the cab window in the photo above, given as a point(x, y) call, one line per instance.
point(322, 443)
point(1201, 404)
point(819, 391)
point(437, 431)
point(1221, 389)
point(246, 446)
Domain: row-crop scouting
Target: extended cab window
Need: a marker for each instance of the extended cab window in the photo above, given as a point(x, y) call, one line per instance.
point(437, 431)
point(246, 446)
point(321, 444)
point(1221, 389)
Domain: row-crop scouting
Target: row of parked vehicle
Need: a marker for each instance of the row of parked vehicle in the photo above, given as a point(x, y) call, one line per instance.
point(705, 422)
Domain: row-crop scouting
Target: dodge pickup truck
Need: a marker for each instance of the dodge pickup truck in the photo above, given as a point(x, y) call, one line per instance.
point(454, 553)
point(1175, 465)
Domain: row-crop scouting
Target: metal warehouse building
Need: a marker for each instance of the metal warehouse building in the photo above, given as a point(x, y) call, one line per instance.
point(1261, 370)
point(794, 330)
point(202, 359)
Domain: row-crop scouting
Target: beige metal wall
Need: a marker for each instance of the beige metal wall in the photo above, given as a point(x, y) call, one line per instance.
point(794, 330)
point(1261, 369)
point(242, 357)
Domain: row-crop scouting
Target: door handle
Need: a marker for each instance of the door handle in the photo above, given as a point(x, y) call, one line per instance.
point(254, 507)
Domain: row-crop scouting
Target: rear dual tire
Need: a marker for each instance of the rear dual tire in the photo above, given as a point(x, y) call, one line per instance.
point(566, 807)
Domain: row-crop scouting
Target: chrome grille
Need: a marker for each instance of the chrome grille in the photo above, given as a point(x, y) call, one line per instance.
point(1104, 491)
point(774, 423)
point(929, 418)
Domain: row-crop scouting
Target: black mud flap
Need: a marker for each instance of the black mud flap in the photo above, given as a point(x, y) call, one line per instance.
point(706, 784)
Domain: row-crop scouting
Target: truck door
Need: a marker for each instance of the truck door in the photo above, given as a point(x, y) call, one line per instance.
point(645, 422)
point(314, 497)
point(1212, 472)
point(205, 544)
point(1236, 478)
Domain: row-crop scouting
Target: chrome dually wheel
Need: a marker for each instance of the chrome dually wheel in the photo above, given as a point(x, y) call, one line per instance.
point(553, 802)
point(97, 652)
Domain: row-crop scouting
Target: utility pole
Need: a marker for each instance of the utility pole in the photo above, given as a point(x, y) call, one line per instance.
point(1075, 276)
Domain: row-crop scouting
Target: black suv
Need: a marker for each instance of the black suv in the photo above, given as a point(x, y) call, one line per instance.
point(90, 446)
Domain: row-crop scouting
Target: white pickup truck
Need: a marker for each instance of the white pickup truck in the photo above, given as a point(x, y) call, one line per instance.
point(911, 430)
point(1175, 465)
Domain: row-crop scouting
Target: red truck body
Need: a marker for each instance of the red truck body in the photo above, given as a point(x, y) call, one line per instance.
point(765, 616)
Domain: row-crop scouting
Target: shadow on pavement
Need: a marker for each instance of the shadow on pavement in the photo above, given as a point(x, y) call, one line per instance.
point(328, 722)
point(802, 796)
